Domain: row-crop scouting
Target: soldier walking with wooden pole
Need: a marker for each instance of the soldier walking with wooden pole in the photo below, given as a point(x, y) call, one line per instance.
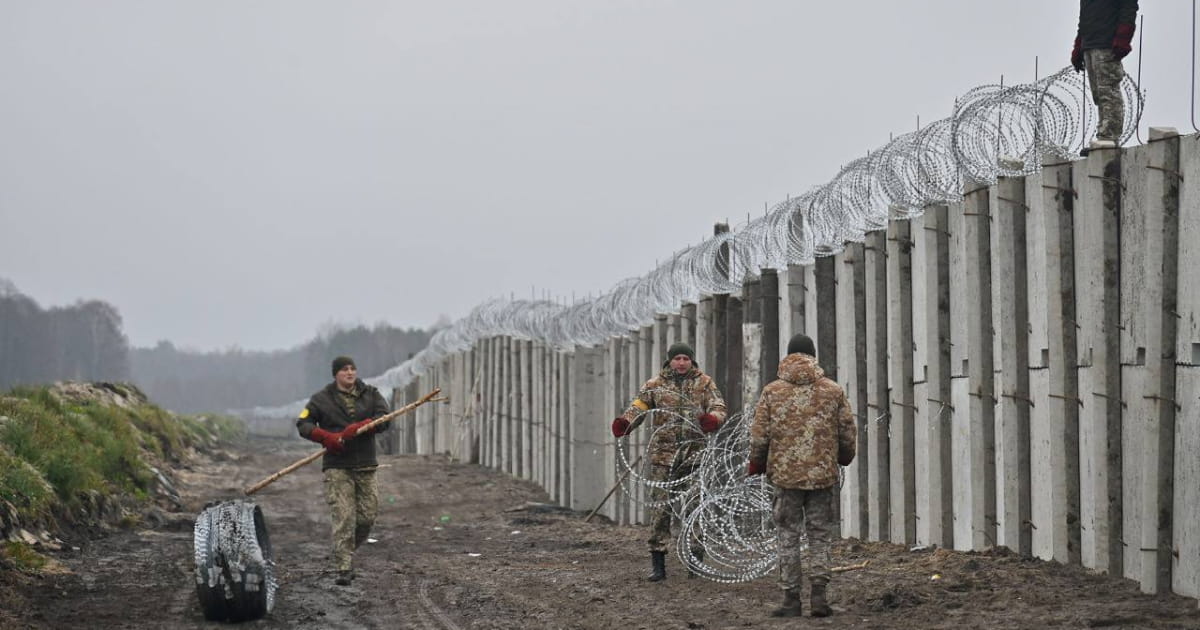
point(333, 417)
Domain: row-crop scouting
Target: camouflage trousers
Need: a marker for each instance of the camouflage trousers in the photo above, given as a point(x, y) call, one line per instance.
point(353, 499)
point(1105, 73)
point(799, 513)
point(662, 515)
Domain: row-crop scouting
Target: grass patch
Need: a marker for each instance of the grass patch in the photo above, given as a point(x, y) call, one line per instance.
point(23, 486)
point(55, 450)
point(211, 429)
point(22, 557)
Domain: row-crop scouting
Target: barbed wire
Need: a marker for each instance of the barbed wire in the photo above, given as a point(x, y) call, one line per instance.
point(994, 131)
point(726, 532)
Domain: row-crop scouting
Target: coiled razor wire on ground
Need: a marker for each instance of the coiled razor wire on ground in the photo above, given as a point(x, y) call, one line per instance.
point(994, 131)
point(726, 532)
point(235, 571)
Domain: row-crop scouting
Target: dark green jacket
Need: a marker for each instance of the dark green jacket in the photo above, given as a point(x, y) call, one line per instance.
point(326, 410)
point(1098, 20)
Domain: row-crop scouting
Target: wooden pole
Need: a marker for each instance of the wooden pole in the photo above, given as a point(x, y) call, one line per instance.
point(613, 489)
point(366, 429)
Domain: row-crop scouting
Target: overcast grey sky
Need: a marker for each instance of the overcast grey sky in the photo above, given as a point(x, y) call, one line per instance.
point(237, 172)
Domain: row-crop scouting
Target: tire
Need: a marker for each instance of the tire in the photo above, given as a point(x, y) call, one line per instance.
point(235, 577)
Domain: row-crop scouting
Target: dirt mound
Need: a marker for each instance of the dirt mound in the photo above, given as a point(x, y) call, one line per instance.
point(123, 395)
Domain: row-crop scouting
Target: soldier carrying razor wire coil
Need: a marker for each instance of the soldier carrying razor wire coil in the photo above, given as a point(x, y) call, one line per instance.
point(679, 400)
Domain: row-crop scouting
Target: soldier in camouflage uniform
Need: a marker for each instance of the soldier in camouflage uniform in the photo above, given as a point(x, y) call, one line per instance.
point(679, 395)
point(802, 431)
point(1104, 37)
point(334, 417)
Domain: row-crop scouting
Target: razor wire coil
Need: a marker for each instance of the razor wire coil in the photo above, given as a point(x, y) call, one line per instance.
point(994, 131)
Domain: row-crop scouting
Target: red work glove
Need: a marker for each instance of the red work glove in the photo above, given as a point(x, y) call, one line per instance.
point(356, 429)
point(1077, 55)
point(708, 422)
point(755, 468)
point(1123, 41)
point(330, 440)
point(620, 427)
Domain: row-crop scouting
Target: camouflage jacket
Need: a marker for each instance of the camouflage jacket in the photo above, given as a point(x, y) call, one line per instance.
point(333, 410)
point(800, 424)
point(687, 396)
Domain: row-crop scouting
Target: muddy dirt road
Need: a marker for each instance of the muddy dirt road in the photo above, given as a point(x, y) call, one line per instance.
point(489, 566)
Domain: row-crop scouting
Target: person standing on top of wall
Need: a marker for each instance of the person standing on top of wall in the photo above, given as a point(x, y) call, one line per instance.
point(679, 399)
point(335, 417)
point(802, 431)
point(1104, 37)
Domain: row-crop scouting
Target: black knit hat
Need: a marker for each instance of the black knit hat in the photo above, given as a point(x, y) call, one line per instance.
point(340, 363)
point(677, 349)
point(802, 344)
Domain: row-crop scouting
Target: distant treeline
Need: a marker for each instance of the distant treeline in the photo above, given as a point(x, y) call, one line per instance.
point(85, 342)
point(190, 382)
point(82, 342)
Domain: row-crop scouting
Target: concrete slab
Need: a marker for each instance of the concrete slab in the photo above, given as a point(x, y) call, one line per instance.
point(687, 325)
point(658, 342)
point(1161, 214)
point(821, 283)
point(495, 395)
point(772, 306)
point(797, 304)
point(1041, 436)
point(1185, 576)
point(814, 306)
point(704, 332)
point(1010, 347)
point(537, 375)
point(1059, 525)
point(902, 403)
point(851, 350)
point(878, 404)
point(588, 479)
point(959, 413)
point(937, 512)
point(1141, 317)
point(1097, 264)
point(632, 383)
point(1188, 344)
point(609, 409)
point(1185, 540)
point(566, 458)
point(524, 435)
point(752, 350)
point(981, 374)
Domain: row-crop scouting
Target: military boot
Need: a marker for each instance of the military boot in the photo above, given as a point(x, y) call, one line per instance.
point(658, 566)
point(819, 607)
point(792, 606)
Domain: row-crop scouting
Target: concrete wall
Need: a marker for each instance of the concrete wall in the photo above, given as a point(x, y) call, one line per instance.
point(1024, 367)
